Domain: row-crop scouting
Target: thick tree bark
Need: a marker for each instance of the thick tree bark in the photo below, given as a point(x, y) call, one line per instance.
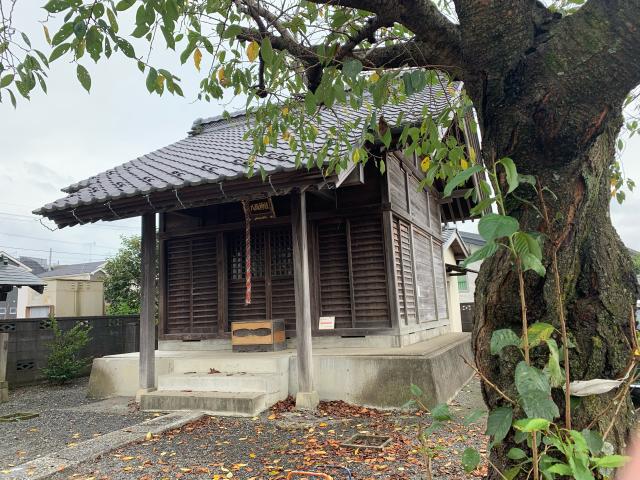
point(598, 284)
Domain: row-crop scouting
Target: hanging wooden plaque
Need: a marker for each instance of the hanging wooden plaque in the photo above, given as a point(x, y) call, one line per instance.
point(261, 209)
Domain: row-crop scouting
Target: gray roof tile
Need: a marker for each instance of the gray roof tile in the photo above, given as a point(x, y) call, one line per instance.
point(74, 269)
point(16, 276)
point(215, 150)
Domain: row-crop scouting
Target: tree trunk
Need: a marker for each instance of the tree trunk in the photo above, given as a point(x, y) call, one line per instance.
point(598, 285)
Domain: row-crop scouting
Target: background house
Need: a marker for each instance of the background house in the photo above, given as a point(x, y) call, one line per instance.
point(455, 251)
point(467, 282)
point(9, 307)
point(71, 291)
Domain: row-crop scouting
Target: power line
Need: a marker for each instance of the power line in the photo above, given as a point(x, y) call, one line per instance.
point(21, 217)
point(47, 251)
point(56, 241)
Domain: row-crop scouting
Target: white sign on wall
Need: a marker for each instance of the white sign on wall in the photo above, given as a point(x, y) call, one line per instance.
point(327, 323)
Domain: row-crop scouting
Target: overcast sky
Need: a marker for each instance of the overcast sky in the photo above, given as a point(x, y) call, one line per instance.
point(68, 135)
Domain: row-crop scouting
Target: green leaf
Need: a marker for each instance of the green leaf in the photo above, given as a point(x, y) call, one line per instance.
point(83, 77)
point(579, 467)
point(61, 35)
point(310, 103)
point(516, 454)
point(152, 77)
point(126, 47)
point(55, 6)
point(441, 412)
point(59, 51)
point(532, 424)
point(525, 243)
point(485, 252)
point(416, 391)
point(460, 179)
point(560, 469)
point(503, 338)
point(123, 5)
point(611, 461)
point(511, 171)
point(112, 21)
point(512, 472)
point(352, 68)
point(538, 333)
point(594, 441)
point(539, 404)
point(530, 379)
point(266, 51)
point(470, 459)
point(493, 226)
point(553, 369)
point(6, 80)
point(499, 423)
point(530, 262)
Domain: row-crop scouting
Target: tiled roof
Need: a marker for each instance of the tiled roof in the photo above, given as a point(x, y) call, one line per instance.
point(18, 277)
point(447, 233)
point(215, 151)
point(472, 238)
point(37, 265)
point(75, 269)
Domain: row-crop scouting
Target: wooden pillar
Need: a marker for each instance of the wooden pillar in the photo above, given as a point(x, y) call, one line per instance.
point(147, 305)
point(307, 397)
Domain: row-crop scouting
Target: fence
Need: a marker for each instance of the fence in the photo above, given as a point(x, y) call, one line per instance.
point(29, 340)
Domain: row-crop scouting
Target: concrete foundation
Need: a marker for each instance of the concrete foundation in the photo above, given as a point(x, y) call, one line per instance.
point(377, 377)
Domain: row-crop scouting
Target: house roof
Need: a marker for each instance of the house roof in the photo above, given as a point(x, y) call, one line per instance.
point(36, 265)
point(75, 269)
point(15, 276)
point(216, 151)
point(472, 238)
point(451, 239)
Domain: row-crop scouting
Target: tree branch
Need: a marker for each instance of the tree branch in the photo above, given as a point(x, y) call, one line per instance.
point(423, 18)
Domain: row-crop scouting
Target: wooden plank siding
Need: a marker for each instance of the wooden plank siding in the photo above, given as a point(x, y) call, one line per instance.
point(420, 277)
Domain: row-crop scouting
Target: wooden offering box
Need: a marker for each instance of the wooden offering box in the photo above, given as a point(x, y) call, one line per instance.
point(258, 336)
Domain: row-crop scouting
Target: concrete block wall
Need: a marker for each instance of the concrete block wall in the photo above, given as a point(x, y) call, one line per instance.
point(29, 340)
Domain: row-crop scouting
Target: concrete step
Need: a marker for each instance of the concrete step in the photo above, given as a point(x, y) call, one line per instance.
point(233, 404)
point(222, 382)
point(234, 363)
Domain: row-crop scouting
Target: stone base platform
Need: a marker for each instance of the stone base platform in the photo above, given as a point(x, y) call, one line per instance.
point(376, 377)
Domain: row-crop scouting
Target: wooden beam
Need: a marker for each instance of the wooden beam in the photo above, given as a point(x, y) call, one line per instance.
point(390, 264)
point(352, 292)
point(221, 272)
point(147, 305)
point(307, 397)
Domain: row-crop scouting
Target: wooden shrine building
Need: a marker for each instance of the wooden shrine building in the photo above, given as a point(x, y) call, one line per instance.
point(361, 249)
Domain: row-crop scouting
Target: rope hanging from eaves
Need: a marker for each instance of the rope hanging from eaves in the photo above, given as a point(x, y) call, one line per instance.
point(247, 252)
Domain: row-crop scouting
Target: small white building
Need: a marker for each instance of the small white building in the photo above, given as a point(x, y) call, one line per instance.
point(71, 291)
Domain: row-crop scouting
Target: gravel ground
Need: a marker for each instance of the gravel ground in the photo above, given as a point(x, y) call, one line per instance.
point(267, 447)
point(66, 417)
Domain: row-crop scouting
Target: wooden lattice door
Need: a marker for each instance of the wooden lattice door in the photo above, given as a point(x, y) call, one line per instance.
point(272, 287)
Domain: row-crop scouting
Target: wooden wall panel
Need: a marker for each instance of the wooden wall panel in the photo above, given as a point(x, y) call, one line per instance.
point(205, 285)
point(441, 282)
point(335, 296)
point(424, 275)
point(404, 272)
point(419, 204)
point(397, 184)
point(281, 277)
point(192, 293)
point(369, 274)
